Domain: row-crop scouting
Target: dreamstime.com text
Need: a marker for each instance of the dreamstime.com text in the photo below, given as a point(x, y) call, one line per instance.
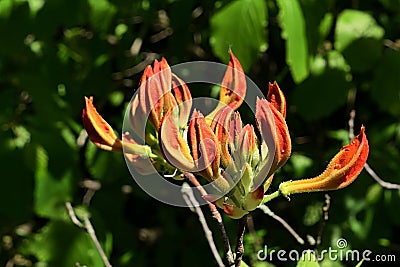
point(340, 254)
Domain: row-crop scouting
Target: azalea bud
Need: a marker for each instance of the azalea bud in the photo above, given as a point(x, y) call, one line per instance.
point(219, 125)
point(281, 133)
point(233, 86)
point(276, 97)
point(172, 143)
point(154, 86)
point(183, 98)
point(342, 170)
point(98, 130)
point(203, 144)
point(103, 136)
point(247, 145)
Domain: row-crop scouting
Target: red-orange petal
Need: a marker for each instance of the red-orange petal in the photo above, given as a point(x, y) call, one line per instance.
point(283, 142)
point(173, 146)
point(233, 87)
point(276, 97)
point(204, 147)
point(98, 130)
point(342, 170)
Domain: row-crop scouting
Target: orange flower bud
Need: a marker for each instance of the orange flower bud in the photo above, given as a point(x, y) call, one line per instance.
point(282, 140)
point(153, 92)
point(219, 125)
point(98, 130)
point(276, 97)
point(182, 97)
point(342, 170)
point(204, 147)
point(103, 136)
point(247, 146)
point(173, 146)
point(233, 88)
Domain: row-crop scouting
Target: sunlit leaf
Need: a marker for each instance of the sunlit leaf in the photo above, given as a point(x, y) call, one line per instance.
point(102, 12)
point(62, 244)
point(294, 32)
point(50, 192)
point(6, 8)
point(245, 34)
point(357, 32)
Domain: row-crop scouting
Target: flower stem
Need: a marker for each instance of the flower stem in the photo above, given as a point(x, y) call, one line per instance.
point(270, 197)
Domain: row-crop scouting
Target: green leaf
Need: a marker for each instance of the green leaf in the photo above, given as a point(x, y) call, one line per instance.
point(352, 25)
point(326, 262)
point(6, 7)
point(359, 37)
point(317, 22)
point(35, 5)
point(240, 25)
point(102, 12)
point(374, 193)
point(61, 244)
point(325, 25)
point(313, 214)
point(326, 90)
point(294, 32)
point(300, 164)
point(385, 91)
point(50, 192)
point(308, 259)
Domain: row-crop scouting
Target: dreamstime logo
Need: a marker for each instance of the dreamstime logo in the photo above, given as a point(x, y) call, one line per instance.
point(162, 187)
point(340, 254)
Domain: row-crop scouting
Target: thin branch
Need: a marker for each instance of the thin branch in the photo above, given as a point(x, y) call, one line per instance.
point(92, 234)
point(239, 240)
point(369, 170)
point(324, 219)
point(92, 186)
point(257, 241)
point(88, 227)
point(192, 202)
point(217, 217)
point(381, 182)
point(72, 215)
point(270, 213)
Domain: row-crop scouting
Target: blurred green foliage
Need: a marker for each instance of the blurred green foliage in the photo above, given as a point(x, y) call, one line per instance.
point(328, 57)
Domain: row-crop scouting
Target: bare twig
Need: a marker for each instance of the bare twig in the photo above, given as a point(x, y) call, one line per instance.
point(257, 241)
point(92, 186)
point(217, 217)
point(72, 215)
point(270, 213)
point(324, 219)
point(88, 227)
point(149, 58)
point(381, 182)
point(192, 202)
point(92, 234)
point(239, 240)
point(369, 170)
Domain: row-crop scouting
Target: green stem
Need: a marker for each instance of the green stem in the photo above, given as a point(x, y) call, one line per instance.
point(270, 197)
